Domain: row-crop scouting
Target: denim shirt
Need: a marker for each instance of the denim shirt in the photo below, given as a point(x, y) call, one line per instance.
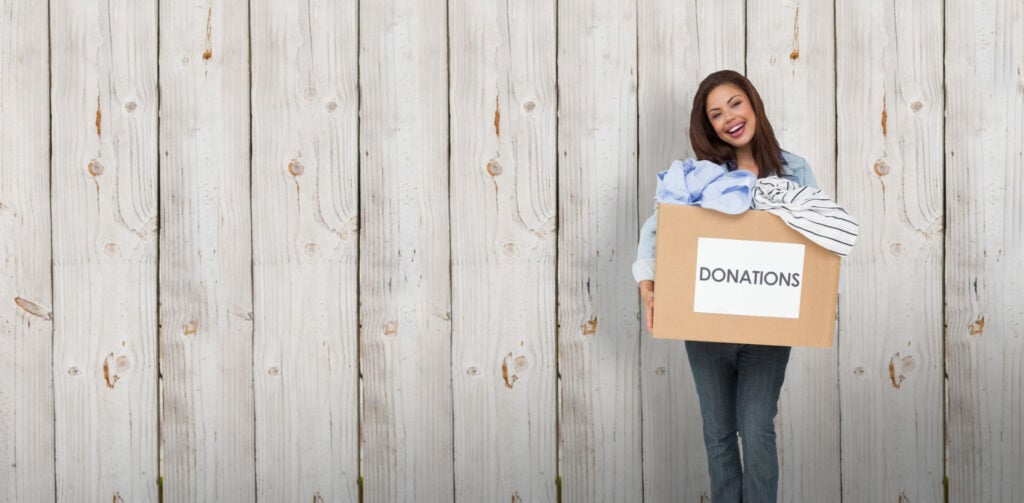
point(794, 168)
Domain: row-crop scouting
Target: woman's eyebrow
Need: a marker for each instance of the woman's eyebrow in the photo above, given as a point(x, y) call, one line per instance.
point(727, 101)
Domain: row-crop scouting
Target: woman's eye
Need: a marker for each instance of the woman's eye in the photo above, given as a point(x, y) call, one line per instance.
point(738, 103)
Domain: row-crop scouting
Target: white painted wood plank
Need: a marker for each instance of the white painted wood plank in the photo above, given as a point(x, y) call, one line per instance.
point(679, 44)
point(984, 271)
point(404, 273)
point(104, 189)
point(791, 61)
point(599, 349)
point(26, 327)
point(304, 214)
point(889, 129)
point(503, 209)
point(206, 420)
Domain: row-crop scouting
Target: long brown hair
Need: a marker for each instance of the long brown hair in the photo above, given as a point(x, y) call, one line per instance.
point(706, 143)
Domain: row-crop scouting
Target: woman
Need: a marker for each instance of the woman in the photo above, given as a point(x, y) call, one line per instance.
point(738, 384)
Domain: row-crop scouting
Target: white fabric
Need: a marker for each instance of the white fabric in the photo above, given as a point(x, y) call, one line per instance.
point(808, 211)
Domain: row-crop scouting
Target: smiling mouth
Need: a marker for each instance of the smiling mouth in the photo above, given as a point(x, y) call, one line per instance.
point(737, 130)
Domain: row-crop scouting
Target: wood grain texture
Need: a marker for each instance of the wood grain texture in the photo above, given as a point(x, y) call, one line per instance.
point(889, 105)
point(104, 188)
point(404, 266)
point(304, 214)
point(984, 271)
point(598, 345)
point(503, 210)
point(791, 61)
point(206, 420)
point(26, 318)
point(679, 44)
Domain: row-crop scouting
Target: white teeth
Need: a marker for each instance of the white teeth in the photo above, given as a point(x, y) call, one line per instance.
point(735, 128)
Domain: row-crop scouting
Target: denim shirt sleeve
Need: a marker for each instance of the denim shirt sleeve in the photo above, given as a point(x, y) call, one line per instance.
point(797, 170)
point(643, 267)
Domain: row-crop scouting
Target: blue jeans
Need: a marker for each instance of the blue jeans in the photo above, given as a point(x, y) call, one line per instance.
point(738, 387)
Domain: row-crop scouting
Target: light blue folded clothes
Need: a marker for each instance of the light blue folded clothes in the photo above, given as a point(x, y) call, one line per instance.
point(706, 184)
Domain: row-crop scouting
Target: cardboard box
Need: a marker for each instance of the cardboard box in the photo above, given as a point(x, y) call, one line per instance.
point(745, 278)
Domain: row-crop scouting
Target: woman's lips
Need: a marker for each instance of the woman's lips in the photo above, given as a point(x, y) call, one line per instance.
point(736, 132)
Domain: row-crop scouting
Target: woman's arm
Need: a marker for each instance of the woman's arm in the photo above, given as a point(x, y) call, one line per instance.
point(643, 267)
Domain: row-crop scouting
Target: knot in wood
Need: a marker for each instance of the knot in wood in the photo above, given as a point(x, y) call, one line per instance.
point(494, 168)
point(95, 168)
point(881, 167)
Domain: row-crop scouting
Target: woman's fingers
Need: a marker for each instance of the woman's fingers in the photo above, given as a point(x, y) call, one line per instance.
point(648, 297)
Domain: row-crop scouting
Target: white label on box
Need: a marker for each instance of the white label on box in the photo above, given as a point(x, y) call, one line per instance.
point(748, 278)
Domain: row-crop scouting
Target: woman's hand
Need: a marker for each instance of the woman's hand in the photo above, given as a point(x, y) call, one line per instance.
point(647, 294)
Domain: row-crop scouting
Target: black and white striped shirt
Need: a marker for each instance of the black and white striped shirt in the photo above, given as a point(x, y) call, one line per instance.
point(808, 211)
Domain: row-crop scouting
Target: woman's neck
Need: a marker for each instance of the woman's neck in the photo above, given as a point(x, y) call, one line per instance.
point(745, 159)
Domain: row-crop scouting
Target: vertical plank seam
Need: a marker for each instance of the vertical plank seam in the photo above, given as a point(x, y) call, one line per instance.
point(451, 256)
point(252, 268)
point(159, 376)
point(636, 207)
point(252, 274)
point(945, 255)
point(835, 157)
point(558, 231)
point(359, 228)
point(53, 324)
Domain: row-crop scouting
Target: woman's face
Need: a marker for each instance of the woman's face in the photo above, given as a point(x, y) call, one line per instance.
point(731, 115)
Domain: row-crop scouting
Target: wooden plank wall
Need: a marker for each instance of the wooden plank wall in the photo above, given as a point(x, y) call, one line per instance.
point(206, 314)
point(26, 314)
point(598, 343)
point(503, 210)
point(984, 168)
point(889, 94)
point(380, 251)
point(404, 268)
point(104, 105)
point(304, 162)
